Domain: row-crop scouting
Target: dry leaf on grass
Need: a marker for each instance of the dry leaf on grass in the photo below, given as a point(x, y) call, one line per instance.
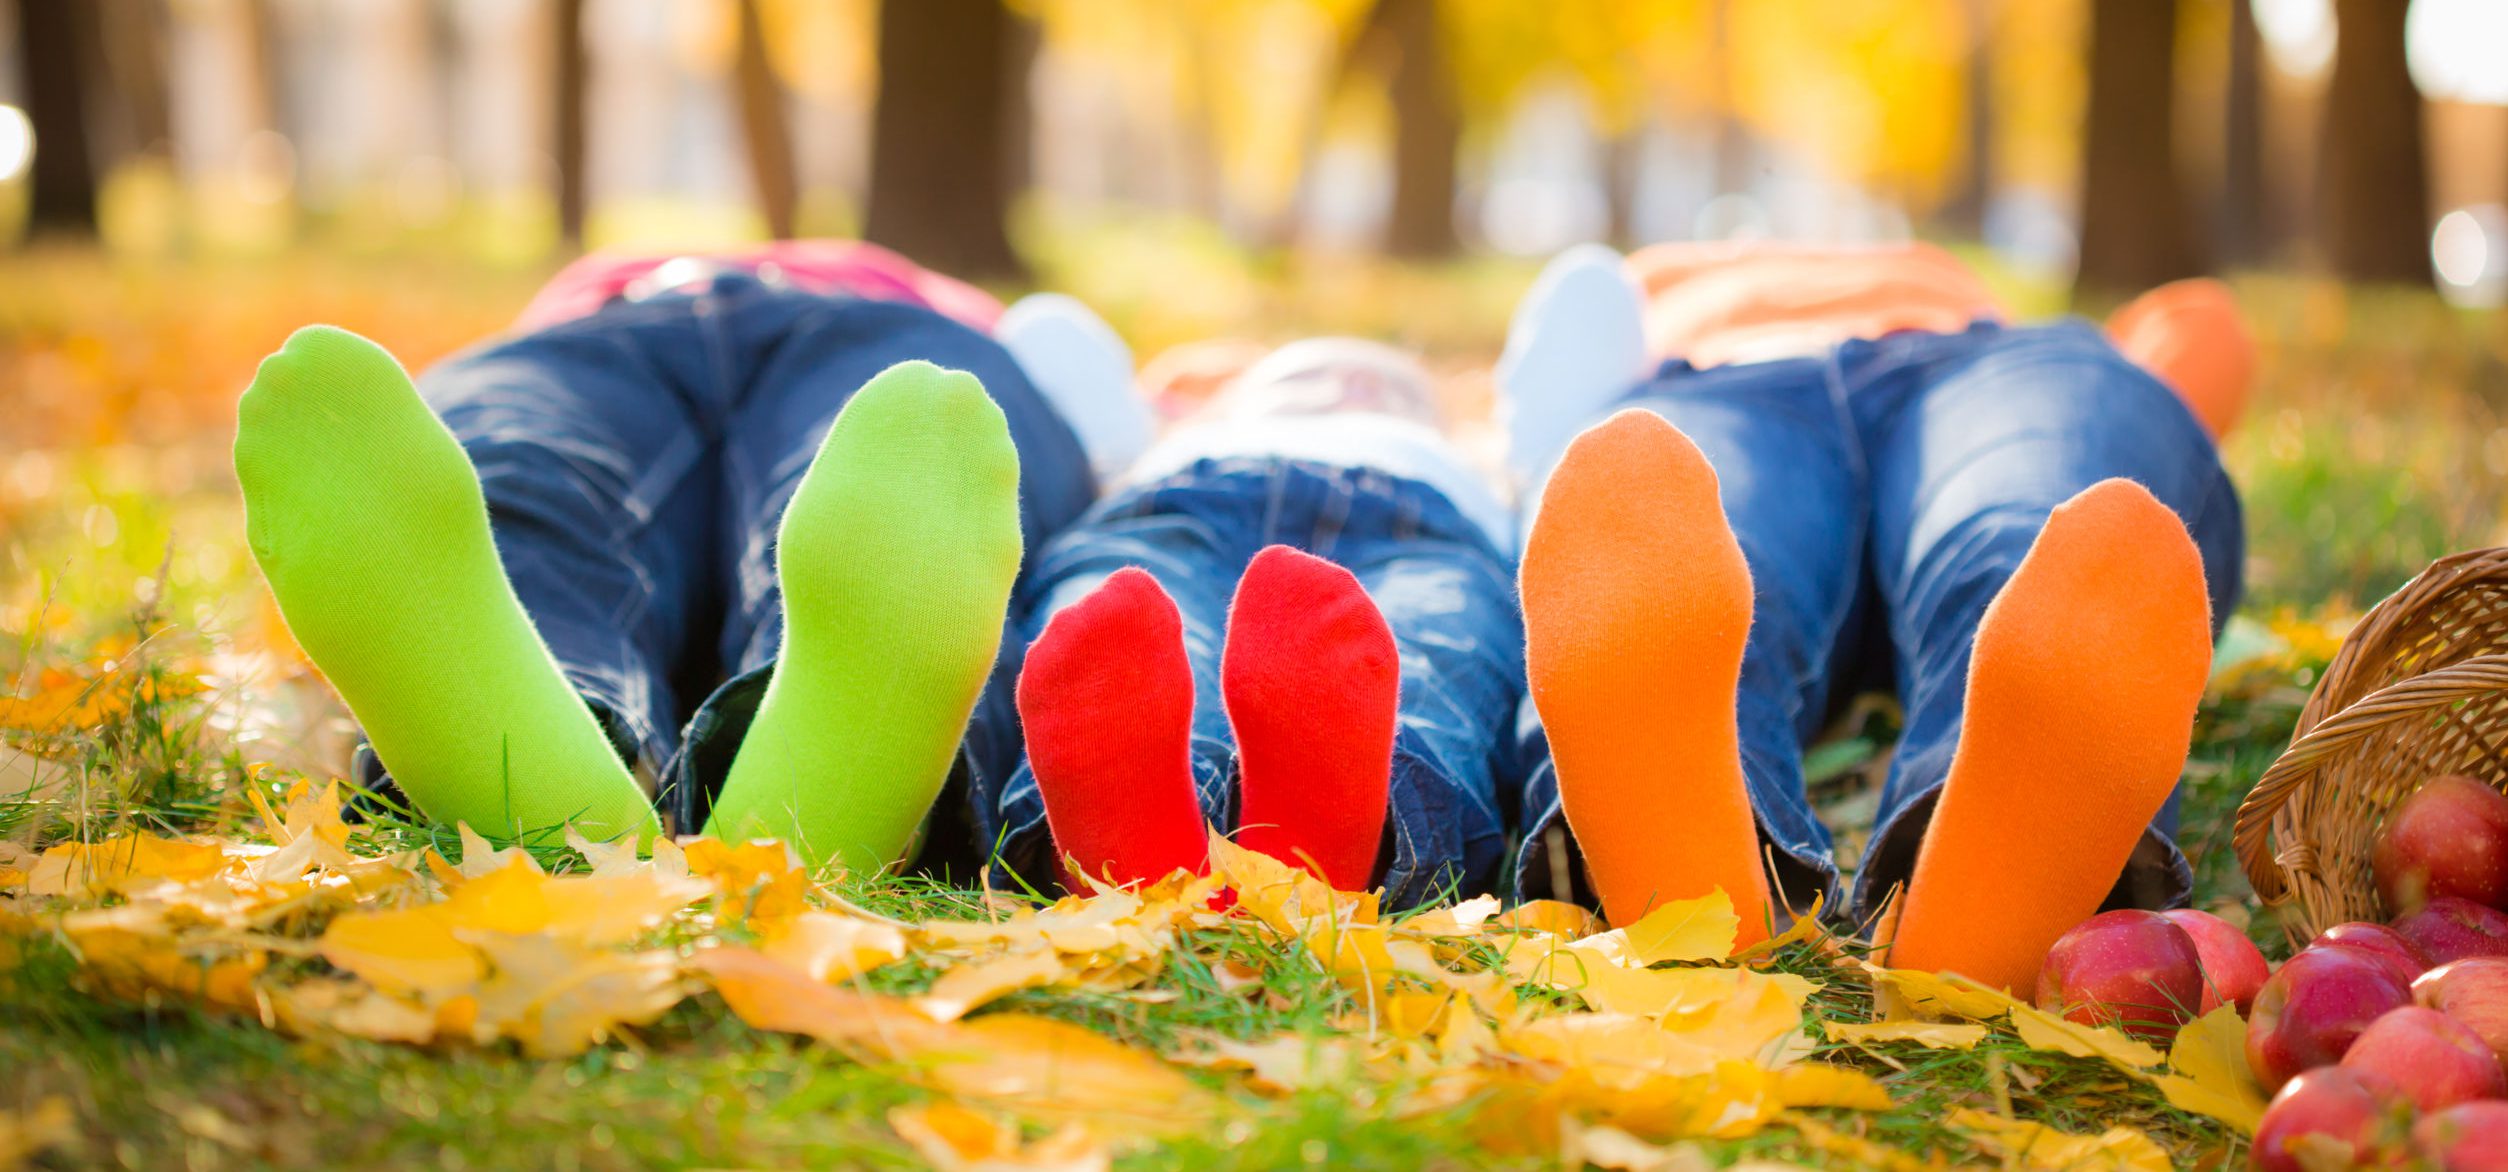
point(955, 1139)
point(2208, 1072)
point(1929, 1034)
point(2035, 1145)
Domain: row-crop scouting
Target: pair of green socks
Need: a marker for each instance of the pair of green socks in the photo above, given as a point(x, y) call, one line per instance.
point(896, 557)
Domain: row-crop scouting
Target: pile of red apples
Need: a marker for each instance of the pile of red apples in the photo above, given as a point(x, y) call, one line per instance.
point(2389, 1040)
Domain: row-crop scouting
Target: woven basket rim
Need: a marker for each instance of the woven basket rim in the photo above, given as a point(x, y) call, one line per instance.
point(2355, 700)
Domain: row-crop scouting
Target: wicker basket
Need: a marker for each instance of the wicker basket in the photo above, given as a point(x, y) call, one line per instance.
point(2419, 689)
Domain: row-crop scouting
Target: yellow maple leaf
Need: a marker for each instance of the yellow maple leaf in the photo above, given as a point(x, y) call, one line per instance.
point(1690, 929)
point(771, 995)
point(353, 1008)
point(121, 863)
point(831, 947)
point(1285, 1063)
point(758, 880)
point(406, 951)
point(954, 1139)
point(2035, 1145)
point(558, 996)
point(1052, 1070)
point(2208, 1072)
point(1929, 1034)
point(963, 989)
point(1811, 1084)
point(2045, 1031)
point(1904, 993)
point(1551, 916)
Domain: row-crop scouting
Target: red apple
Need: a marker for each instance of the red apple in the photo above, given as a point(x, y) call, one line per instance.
point(2133, 969)
point(2233, 968)
point(2450, 837)
point(2326, 1106)
point(2432, 1059)
point(2474, 992)
point(2307, 1014)
point(2379, 940)
point(2449, 928)
point(2468, 1137)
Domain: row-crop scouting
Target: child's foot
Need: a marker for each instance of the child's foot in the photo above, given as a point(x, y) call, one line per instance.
point(1311, 679)
point(1106, 698)
point(896, 557)
point(2080, 707)
point(367, 518)
point(1083, 368)
point(1636, 607)
point(1577, 342)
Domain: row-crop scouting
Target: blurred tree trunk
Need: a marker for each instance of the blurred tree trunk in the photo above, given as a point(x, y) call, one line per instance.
point(2245, 230)
point(135, 57)
point(1732, 139)
point(940, 135)
point(2374, 217)
point(1965, 213)
point(762, 124)
point(53, 38)
point(1427, 131)
point(2134, 229)
point(1623, 174)
point(570, 75)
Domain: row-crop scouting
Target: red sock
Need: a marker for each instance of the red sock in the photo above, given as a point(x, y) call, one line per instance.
point(1106, 698)
point(1311, 679)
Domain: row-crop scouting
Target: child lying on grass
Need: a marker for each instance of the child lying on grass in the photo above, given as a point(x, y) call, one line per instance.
point(1198, 661)
point(521, 571)
point(1812, 459)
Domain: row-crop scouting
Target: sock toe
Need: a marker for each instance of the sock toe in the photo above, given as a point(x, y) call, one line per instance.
point(1311, 679)
point(1106, 700)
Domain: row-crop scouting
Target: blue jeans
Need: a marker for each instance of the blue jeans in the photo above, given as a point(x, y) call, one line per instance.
point(636, 464)
point(1447, 593)
point(1882, 495)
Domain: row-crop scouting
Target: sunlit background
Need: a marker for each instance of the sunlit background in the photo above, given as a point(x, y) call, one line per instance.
point(511, 130)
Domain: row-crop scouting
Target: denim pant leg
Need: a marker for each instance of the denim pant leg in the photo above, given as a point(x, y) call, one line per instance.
point(1792, 484)
point(1449, 598)
point(597, 451)
point(1193, 533)
point(1973, 440)
point(793, 360)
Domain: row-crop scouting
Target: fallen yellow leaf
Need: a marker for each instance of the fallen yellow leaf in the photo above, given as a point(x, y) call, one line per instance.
point(955, 1139)
point(963, 989)
point(831, 947)
point(2208, 1072)
point(2035, 1145)
point(2045, 1031)
point(1931, 1035)
point(1691, 929)
point(1052, 1070)
point(410, 951)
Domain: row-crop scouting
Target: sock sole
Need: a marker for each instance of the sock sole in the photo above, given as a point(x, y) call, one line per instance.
point(1636, 609)
point(369, 523)
point(896, 556)
point(2080, 708)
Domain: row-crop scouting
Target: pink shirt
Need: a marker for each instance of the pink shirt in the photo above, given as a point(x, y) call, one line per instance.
point(839, 267)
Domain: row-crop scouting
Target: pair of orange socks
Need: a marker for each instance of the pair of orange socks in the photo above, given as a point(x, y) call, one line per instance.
point(2080, 704)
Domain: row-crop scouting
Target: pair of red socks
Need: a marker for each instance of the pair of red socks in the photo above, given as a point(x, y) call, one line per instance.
point(1310, 678)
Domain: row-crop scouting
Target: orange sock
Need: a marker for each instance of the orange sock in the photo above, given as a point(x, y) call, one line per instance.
point(2191, 336)
point(2081, 703)
point(1636, 606)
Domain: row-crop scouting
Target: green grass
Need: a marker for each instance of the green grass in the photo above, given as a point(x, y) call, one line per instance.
point(2377, 444)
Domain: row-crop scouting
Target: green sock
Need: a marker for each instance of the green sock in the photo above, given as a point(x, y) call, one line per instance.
point(896, 556)
point(367, 518)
